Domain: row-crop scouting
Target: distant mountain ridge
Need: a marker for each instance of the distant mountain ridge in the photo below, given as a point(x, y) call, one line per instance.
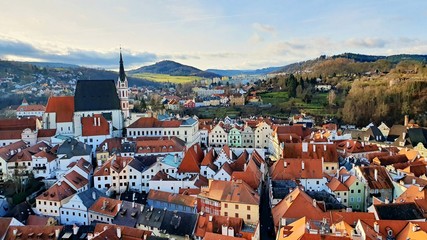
point(174, 69)
point(231, 73)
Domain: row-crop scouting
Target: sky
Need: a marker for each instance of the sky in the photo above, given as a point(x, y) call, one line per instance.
point(238, 34)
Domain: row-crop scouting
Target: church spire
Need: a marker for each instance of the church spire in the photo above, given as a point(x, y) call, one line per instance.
point(122, 74)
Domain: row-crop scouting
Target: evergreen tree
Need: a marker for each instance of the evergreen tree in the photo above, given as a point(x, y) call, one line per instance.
point(292, 86)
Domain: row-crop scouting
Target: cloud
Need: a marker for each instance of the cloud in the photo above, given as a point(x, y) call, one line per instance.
point(256, 38)
point(367, 42)
point(24, 50)
point(264, 28)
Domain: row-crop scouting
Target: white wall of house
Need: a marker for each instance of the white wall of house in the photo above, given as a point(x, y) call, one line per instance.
point(218, 137)
point(262, 135)
point(74, 212)
point(171, 186)
point(43, 168)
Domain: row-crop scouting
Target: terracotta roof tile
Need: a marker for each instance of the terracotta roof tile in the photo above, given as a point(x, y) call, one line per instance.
point(231, 191)
point(336, 185)
point(151, 122)
point(352, 146)
point(315, 151)
point(43, 154)
point(95, 126)
point(77, 180)
point(41, 133)
point(10, 134)
point(106, 206)
point(37, 220)
point(57, 192)
point(312, 169)
point(30, 108)
point(192, 160)
point(36, 232)
point(383, 181)
point(172, 198)
point(62, 106)
point(18, 124)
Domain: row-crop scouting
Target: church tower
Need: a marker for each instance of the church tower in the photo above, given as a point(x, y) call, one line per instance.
point(122, 89)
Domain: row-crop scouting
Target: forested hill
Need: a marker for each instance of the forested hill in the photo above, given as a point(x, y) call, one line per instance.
point(174, 69)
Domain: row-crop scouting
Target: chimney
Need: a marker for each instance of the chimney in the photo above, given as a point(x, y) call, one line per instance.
point(304, 147)
point(386, 201)
point(283, 222)
point(133, 197)
point(231, 231)
point(314, 148)
point(333, 229)
point(363, 144)
point(324, 147)
point(415, 227)
point(348, 144)
point(195, 148)
point(94, 195)
point(15, 231)
point(57, 231)
point(75, 229)
point(99, 121)
point(210, 218)
point(119, 232)
point(118, 207)
point(224, 230)
point(376, 227)
point(285, 164)
point(133, 204)
point(302, 165)
point(376, 174)
point(142, 208)
point(314, 203)
point(94, 121)
point(406, 121)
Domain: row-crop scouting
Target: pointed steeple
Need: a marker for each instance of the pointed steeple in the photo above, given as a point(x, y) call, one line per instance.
point(122, 74)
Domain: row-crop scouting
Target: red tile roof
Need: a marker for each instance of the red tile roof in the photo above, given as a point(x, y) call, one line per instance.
point(109, 231)
point(213, 224)
point(159, 145)
point(77, 180)
point(30, 108)
point(216, 236)
point(315, 151)
point(352, 146)
point(95, 126)
point(192, 159)
point(62, 106)
point(18, 124)
point(383, 181)
point(57, 192)
point(41, 133)
point(33, 232)
point(43, 154)
point(106, 206)
point(231, 191)
point(151, 122)
point(103, 170)
point(37, 220)
point(10, 135)
point(252, 175)
point(336, 185)
point(172, 198)
point(313, 169)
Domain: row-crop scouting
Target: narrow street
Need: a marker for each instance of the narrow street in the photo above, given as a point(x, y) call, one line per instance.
point(266, 219)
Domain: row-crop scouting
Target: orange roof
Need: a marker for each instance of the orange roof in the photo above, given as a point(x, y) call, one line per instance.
point(231, 191)
point(213, 224)
point(33, 232)
point(18, 124)
point(103, 170)
point(109, 231)
point(252, 175)
point(159, 145)
point(312, 169)
point(10, 134)
point(62, 106)
point(239, 164)
point(352, 146)
point(151, 122)
point(46, 133)
point(57, 192)
point(383, 181)
point(30, 108)
point(336, 185)
point(315, 151)
point(192, 160)
point(412, 192)
point(172, 198)
point(209, 158)
point(76, 179)
point(37, 220)
point(119, 163)
point(95, 126)
point(106, 206)
point(296, 204)
point(43, 154)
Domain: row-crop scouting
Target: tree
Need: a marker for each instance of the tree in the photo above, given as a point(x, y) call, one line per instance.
point(292, 86)
point(301, 83)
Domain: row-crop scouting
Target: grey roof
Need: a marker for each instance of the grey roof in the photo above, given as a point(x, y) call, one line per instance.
point(331, 203)
point(398, 211)
point(179, 223)
point(72, 147)
point(96, 95)
point(189, 122)
point(151, 217)
point(132, 196)
point(128, 147)
point(20, 212)
point(87, 197)
point(128, 214)
point(418, 135)
point(142, 163)
point(395, 132)
point(282, 188)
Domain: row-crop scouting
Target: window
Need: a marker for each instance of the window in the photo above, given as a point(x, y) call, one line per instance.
point(236, 215)
point(358, 191)
point(237, 206)
point(226, 214)
point(248, 208)
point(248, 217)
point(225, 205)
